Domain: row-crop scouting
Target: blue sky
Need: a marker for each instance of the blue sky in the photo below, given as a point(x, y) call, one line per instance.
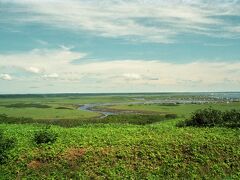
point(119, 46)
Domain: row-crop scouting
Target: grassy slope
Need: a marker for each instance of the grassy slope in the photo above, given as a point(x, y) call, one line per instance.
point(153, 151)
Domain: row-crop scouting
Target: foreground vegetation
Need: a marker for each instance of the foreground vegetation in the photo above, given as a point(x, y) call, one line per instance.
point(6, 144)
point(152, 151)
point(145, 144)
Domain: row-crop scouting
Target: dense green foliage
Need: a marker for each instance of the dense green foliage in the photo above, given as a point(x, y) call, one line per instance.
point(45, 136)
point(156, 151)
point(6, 144)
point(231, 118)
point(210, 117)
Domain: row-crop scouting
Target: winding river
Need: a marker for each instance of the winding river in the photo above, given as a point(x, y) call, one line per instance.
point(95, 107)
point(92, 108)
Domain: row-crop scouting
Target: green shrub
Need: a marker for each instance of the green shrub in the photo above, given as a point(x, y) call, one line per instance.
point(231, 118)
point(6, 144)
point(211, 117)
point(45, 136)
point(206, 117)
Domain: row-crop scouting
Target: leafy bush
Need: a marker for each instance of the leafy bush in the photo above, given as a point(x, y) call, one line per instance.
point(211, 117)
point(205, 117)
point(231, 118)
point(6, 144)
point(45, 136)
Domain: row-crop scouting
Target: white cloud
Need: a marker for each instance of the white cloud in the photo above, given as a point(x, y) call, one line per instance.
point(53, 75)
point(38, 60)
point(33, 70)
point(132, 76)
point(146, 20)
point(6, 77)
point(235, 29)
point(122, 74)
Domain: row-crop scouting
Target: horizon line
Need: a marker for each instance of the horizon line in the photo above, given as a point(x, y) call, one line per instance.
point(114, 93)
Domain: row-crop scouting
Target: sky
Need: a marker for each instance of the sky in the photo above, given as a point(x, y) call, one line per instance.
point(93, 46)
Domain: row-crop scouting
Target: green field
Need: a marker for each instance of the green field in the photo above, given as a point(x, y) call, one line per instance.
point(179, 109)
point(50, 113)
point(138, 143)
point(57, 105)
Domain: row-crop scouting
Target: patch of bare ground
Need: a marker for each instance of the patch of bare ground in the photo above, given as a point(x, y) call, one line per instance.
point(74, 153)
point(72, 157)
point(35, 164)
